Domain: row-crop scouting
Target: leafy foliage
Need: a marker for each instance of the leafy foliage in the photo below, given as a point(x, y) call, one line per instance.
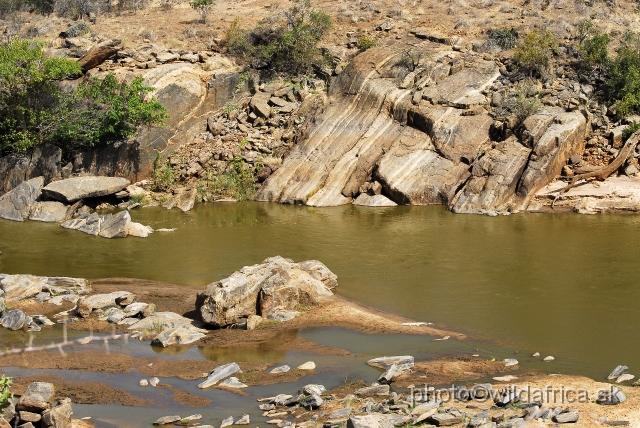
point(162, 177)
point(202, 6)
point(238, 182)
point(593, 51)
point(366, 43)
point(286, 41)
point(35, 110)
point(505, 38)
point(536, 50)
point(624, 82)
point(80, 28)
point(5, 394)
point(630, 130)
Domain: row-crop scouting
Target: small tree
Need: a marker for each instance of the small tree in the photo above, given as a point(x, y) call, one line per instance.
point(204, 7)
point(536, 50)
point(624, 84)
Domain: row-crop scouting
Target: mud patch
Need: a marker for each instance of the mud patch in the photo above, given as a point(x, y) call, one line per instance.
point(186, 398)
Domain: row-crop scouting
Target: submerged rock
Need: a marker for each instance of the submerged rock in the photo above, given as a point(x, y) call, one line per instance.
point(76, 188)
point(166, 420)
point(275, 285)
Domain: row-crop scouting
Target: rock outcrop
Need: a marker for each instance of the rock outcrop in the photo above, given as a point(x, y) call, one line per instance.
point(277, 284)
point(424, 134)
point(16, 204)
point(76, 188)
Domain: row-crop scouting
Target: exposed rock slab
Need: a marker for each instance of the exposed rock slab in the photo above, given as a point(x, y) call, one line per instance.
point(48, 211)
point(116, 226)
point(493, 180)
point(16, 204)
point(76, 188)
point(220, 373)
point(366, 200)
point(20, 287)
point(277, 284)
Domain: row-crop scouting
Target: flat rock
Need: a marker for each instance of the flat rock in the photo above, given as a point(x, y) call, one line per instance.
point(386, 362)
point(280, 369)
point(177, 336)
point(76, 188)
point(220, 373)
point(233, 382)
point(244, 420)
point(37, 397)
point(366, 200)
point(13, 319)
point(625, 378)
point(309, 365)
point(617, 372)
point(374, 390)
point(393, 372)
point(444, 419)
point(282, 315)
point(135, 308)
point(567, 418)
point(88, 304)
point(20, 287)
point(48, 211)
point(87, 223)
point(374, 420)
point(312, 389)
point(166, 320)
point(166, 420)
point(227, 422)
point(17, 203)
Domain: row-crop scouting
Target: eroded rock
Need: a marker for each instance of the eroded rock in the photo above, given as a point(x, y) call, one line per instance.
point(76, 188)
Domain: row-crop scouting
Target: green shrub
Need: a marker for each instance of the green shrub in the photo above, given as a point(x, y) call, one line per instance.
point(204, 7)
point(623, 86)
point(520, 103)
point(286, 42)
point(630, 130)
point(78, 29)
point(504, 38)
point(162, 177)
point(238, 182)
point(5, 394)
point(536, 50)
point(594, 51)
point(34, 110)
point(365, 43)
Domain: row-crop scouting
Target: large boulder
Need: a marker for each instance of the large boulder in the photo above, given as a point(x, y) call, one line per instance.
point(16, 204)
point(48, 211)
point(37, 397)
point(20, 287)
point(60, 416)
point(116, 226)
point(42, 161)
point(76, 188)
point(274, 285)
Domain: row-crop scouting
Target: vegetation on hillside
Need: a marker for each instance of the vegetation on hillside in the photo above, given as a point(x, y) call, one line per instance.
point(34, 109)
point(286, 41)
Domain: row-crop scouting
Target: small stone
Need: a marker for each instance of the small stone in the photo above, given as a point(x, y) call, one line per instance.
point(280, 369)
point(144, 382)
point(625, 378)
point(227, 422)
point(154, 381)
point(266, 406)
point(617, 372)
point(568, 417)
point(444, 419)
point(511, 362)
point(220, 373)
point(233, 382)
point(312, 389)
point(309, 365)
point(165, 420)
point(537, 354)
point(253, 321)
point(549, 358)
point(374, 390)
point(190, 419)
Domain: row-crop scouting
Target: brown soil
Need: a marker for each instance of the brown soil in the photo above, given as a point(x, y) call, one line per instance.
point(456, 370)
point(81, 392)
point(185, 397)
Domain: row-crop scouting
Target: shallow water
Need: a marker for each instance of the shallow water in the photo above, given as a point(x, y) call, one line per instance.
point(564, 285)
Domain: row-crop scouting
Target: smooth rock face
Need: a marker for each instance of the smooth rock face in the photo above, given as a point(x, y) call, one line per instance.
point(167, 320)
point(375, 420)
point(373, 201)
point(13, 320)
point(76, 188)
point(16, 204)
point(139, 230)
point(277, 284)
point(49, 211)
point(37, 397)
point(116, 226)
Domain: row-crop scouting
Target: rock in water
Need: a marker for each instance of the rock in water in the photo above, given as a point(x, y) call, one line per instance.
point(37, 398)
point(177, 336)
point(144, 382)
point(48, 211)
point(76, 188)
point(276, 285)
point(139, 230)
point(393, 372)
point(154, 381)
point(280, 369)
point(625, 378)
point(375, 420)
point(165, 420)
point(116, 226)
point(16, 204)
point(567, 418)
point(617, 372)
point(312, 389)
point(386, 362)
point(373, 201)
point(220, 373)
point(309, 365)
point(233, 382)
point(227, 422)
point(87, 223)
point(511, 362)
point(13, 320)
point(244, 420)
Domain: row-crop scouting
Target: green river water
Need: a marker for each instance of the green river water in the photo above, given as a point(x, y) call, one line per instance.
point(560, 284)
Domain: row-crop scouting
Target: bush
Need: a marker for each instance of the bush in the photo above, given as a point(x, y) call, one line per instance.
point(365, 43)
point(630, 130)
point(78, 29)
point(286, 41)
point(34, 110)
point(594, 51)
point(504, 38)
point(624, 82)
point(5, 394)
point(536, 50)
point(162, 177)
point(204, 7)
point(238, 182)
point(520, 103)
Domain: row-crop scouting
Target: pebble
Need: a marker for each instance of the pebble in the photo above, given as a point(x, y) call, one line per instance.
point(144, 382)
point(537, 354)
point(511, 362)
point(549, 358)
point(154, 381)
point(309, 365)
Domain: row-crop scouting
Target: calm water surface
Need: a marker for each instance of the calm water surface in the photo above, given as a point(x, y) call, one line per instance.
point(563, 285)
